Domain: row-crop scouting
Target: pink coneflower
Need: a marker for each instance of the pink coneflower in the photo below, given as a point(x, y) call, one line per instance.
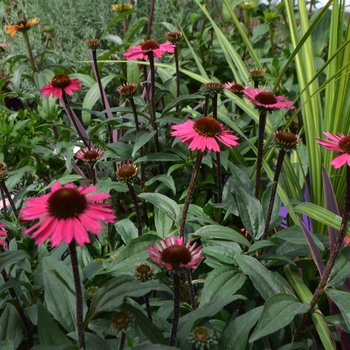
point(66, 214)
point(266, 100)
point(3, 234)
point(204, 134)
point(173, 254)
point(61, 83)
point(90, 155)
point(141, 51)
point(337, 143)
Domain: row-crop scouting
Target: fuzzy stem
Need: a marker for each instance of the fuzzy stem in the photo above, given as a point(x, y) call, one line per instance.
point(280, 159)
point(71, 117)
point(91, 173)
point(8, 196)
point(148, 307)
point(79, 295)
point(262, 122)
point(328, 269)
point(122, 341)
point(219, 177)
point(176, 313)
point(150, 20)
point(189, 192)
point(137, 208)
point(31, 59)
point(152, 100)
point(191, 292)
point(177, 72)
point(214, 101)
point(4, 204)
point(137, 128)
point(20, 311)
point(125, 25)
point(205, 107)
point(100, 87)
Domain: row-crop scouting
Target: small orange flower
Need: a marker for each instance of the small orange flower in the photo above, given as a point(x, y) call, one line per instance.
point(21, 26)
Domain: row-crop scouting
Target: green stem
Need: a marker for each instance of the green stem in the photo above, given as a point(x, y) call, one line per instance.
point(261, 131)
point(176, 313)
point(31, 58)
point(189, 192)
point(328, 269)
point(137, 208)
point(79, 295)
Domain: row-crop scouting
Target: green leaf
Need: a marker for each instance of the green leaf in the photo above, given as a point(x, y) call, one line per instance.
point(142, 138)
point(236, 334)
point(159, 157)
point(208, 310)
point(221, 283)
point(92, 96)
point(342, 300)
point(221, 233)
point(131, 255)
point(155, 347)
point(150, 330)
point(266, 282)
point(7, 345)
point(127, 230)
point(167, 180)
point(294, 346)
point(249, 207)
point(48, 331)
point(112, 294)
point(305, 295)
point(162, 222)
point(320, 214)
point(11, 257)
point(163, 203)
point(11, 325)
point(60, 292)
point(279, 310)
point(341, 268)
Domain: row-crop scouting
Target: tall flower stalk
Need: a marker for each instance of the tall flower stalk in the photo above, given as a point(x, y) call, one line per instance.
point(127, 172)
point(286, 141)
point(60, 86)
point(213, 89)
point(65, 214)
point(176, 257)
point(149, 50)
point(174, 38)
point(23, 27)
point(203, 134)
point(265, 101)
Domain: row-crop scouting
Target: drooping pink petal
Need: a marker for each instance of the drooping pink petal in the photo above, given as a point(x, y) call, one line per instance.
point(72, 218)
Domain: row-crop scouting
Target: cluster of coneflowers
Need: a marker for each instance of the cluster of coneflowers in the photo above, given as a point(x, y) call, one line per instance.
point(68, 214)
